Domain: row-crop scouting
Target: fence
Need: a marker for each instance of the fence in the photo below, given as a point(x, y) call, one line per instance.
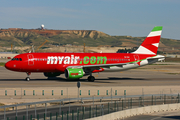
point(82, 108)
point(73, 92)
point(56, 93)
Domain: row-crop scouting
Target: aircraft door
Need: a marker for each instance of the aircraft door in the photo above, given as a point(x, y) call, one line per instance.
point(30, 60)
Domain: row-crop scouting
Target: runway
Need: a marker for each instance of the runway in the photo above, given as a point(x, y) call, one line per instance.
point(151, 75)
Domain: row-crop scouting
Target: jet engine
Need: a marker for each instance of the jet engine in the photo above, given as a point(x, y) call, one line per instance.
point(74, 73)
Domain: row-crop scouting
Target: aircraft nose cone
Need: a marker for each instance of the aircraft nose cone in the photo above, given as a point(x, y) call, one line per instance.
point(7, 65)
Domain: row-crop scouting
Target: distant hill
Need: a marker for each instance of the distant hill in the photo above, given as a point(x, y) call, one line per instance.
point(63, 37)
point(27, 37)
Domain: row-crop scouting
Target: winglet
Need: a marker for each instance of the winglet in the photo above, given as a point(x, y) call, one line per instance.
point(151, 43)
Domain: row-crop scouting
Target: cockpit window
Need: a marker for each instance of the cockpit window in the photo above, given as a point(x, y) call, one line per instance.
point(17, 59)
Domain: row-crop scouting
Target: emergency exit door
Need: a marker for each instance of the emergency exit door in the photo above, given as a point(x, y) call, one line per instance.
point(30, 60)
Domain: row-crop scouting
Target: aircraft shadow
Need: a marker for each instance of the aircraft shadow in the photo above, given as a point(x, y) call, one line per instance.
point(54, 79)
point(172, 117)
point(82, 80)
point(125, 78)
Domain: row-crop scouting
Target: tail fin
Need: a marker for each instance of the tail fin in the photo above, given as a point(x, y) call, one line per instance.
point(151, 43)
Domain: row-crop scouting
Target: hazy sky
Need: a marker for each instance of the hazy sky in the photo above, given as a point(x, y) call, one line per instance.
point(114, 17)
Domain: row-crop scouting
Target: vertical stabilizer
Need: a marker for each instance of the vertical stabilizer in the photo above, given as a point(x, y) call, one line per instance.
point(151, 43)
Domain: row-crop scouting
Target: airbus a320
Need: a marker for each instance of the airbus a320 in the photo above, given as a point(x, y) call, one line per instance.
point(77, 65)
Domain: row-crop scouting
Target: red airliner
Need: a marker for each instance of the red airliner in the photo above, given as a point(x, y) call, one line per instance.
point(77, 65)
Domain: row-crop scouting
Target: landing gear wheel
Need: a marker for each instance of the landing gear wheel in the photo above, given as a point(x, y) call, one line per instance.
point(28, 79)
point(28, 74)
point(91, 78)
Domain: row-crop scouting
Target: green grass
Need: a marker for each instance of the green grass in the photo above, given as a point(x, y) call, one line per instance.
point(2, 64)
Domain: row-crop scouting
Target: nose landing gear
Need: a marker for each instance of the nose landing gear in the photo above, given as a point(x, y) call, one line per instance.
point(28, 78)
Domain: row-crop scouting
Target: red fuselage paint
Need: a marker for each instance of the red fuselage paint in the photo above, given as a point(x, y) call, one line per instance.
point(58, 62)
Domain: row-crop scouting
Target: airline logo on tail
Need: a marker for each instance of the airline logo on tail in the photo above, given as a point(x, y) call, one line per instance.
point(151, 43)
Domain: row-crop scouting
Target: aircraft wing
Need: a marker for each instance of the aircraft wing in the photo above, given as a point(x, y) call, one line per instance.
point(98, 65)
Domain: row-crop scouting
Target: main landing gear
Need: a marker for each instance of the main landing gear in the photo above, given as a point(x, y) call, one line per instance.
point(91, 78)
point(28, 78)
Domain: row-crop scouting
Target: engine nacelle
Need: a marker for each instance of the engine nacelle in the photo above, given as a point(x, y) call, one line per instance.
point(74, 73)
point(51, 74)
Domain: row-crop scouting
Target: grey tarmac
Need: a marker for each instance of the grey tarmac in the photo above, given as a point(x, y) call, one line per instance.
point(151, 75)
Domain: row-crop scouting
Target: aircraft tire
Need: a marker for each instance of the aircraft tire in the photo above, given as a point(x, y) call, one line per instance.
point(28, 79)
point(91, 78)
